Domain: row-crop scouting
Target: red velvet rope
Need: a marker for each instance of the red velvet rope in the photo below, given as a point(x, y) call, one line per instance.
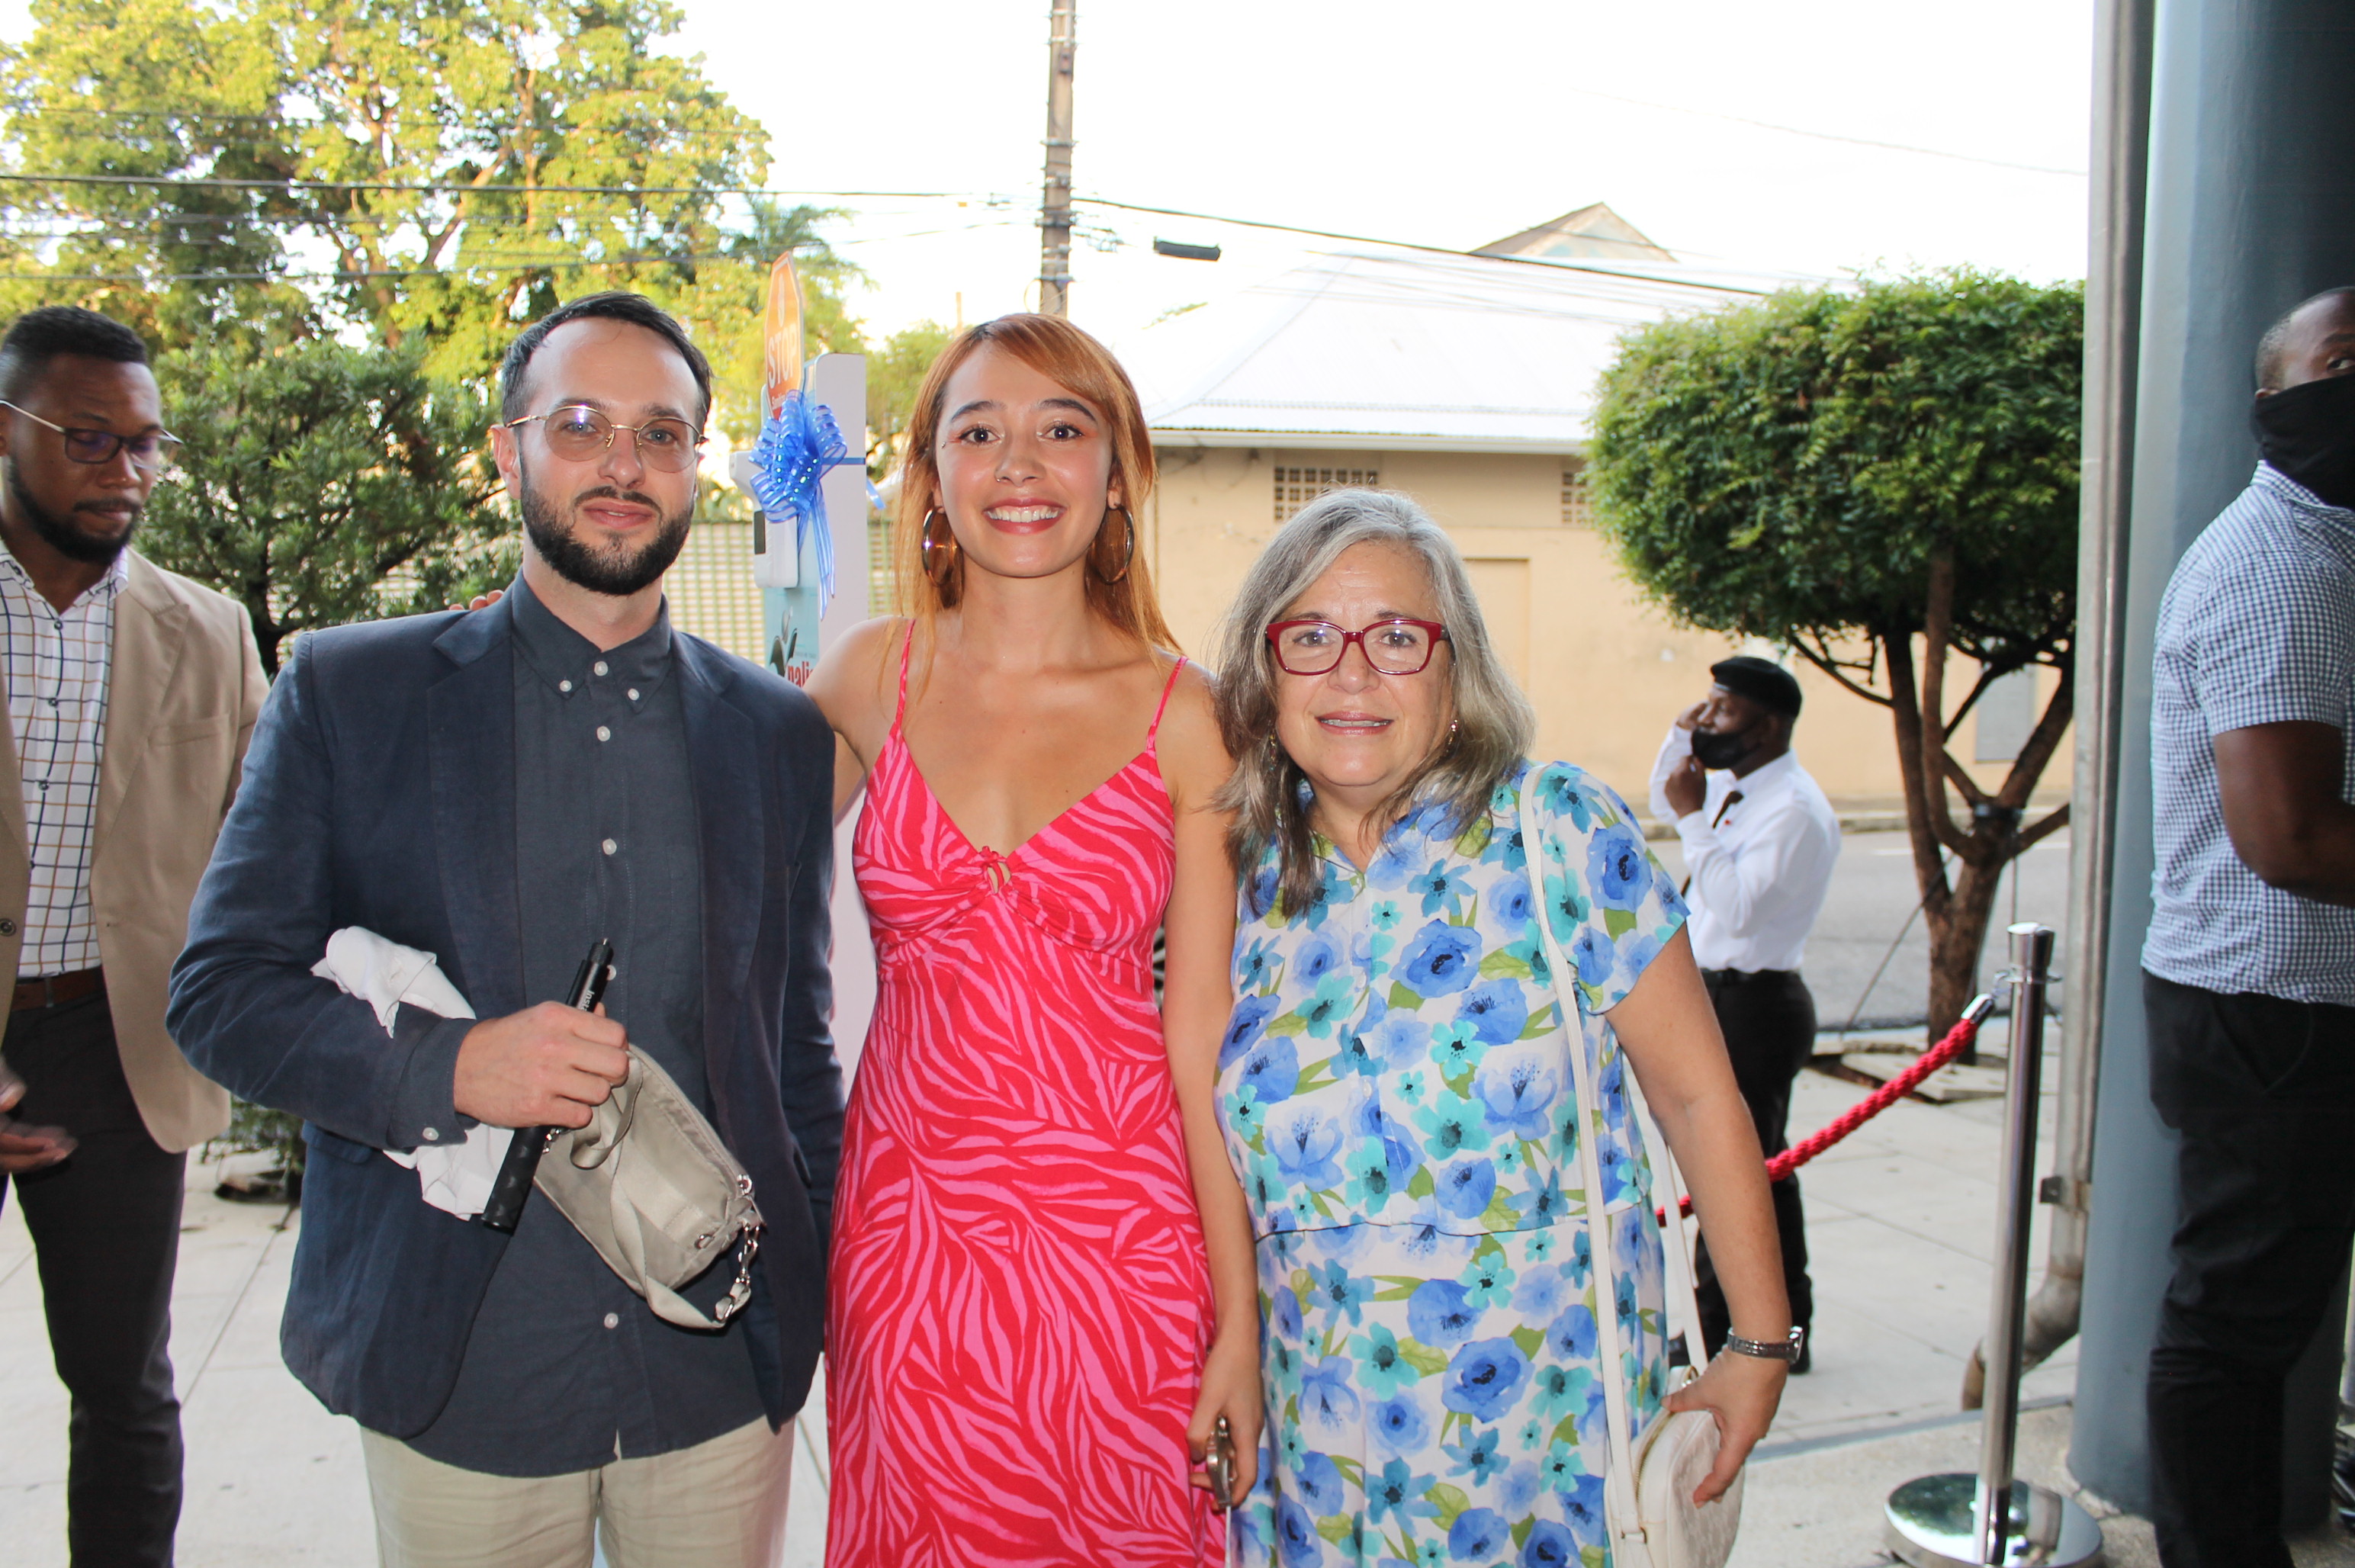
point(1958, 1039)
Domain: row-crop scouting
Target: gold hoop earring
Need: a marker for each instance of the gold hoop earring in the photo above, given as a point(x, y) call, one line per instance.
point(1127, 558)
point(938, 558)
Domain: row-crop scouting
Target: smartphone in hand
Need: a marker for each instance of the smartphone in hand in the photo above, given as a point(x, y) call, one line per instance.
point(1220, 1465)
point(23, 1147)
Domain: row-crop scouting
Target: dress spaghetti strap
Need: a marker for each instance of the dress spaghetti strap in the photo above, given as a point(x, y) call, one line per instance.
point(1153, 736)
point(907, 646)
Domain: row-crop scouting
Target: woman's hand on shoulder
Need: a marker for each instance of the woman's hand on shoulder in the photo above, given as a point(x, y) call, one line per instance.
point(855, 686)
point(1741, 1392)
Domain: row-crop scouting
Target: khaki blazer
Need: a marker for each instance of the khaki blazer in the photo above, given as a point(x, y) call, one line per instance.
point(185, 687)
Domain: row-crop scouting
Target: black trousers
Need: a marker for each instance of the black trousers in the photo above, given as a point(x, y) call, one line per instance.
point(1769, 1022)
point(2263, 1091)
point(106, 1231)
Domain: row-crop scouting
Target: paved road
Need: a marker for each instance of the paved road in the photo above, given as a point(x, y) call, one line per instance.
point(1873, 894)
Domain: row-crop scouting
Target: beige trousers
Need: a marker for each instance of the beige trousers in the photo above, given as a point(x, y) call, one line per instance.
point(720, 1504)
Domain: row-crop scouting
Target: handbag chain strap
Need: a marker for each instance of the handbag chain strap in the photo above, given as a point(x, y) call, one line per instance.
point(1621, 1509)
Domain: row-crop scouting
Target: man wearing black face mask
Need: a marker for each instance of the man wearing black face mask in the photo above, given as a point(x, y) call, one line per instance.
point(1760, 840)
point(2249, 969)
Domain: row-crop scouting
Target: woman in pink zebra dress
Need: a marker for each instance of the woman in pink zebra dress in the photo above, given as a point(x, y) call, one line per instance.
point(1042, 1291)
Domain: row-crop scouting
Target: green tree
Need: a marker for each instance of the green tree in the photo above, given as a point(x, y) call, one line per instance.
point(421, 169)
point(323, 483)
point(1878, 478)
point(894, 373)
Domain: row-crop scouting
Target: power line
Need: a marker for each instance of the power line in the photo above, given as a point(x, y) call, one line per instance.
point(1551, 261)
point(288, 123)
point(1826, 135)
point(177, 182)
point(504, 263)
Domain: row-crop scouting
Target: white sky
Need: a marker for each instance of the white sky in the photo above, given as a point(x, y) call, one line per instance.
point(1419, 123)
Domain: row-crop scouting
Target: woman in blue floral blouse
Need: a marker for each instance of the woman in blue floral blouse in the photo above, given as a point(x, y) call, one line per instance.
point(1396, 1089)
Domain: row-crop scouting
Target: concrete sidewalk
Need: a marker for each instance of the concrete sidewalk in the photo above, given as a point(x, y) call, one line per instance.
point(1901, 1221)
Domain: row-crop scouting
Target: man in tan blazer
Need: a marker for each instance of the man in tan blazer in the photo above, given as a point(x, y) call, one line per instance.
point(130, 694)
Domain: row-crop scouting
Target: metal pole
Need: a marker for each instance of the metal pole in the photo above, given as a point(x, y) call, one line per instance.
point(1993, 1519)
point(1055, 210)
point(2031, 968)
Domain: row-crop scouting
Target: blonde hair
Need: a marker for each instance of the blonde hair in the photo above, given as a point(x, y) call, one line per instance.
point(1494, 720)
point(1085, 368)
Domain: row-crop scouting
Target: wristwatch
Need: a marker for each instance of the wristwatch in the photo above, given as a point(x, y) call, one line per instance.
point(1788, 1350)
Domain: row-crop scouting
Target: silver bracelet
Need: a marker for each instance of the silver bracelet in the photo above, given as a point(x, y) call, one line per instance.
point(1767, 1351)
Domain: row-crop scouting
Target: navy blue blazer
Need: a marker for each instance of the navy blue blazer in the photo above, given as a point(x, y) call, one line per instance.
point(380, 791)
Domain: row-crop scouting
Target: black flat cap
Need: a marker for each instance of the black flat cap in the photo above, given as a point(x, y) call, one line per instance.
point(1763, 681)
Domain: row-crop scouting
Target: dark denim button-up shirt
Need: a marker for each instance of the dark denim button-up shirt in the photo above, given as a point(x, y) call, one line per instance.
point(567, 1368)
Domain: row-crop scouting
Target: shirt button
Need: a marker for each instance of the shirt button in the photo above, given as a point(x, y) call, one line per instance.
point(634, 694)
point(613, 1320)
point(563, 685)
point(599, 666)
point(611, 845)
point(433, 1135)
point(602, 734)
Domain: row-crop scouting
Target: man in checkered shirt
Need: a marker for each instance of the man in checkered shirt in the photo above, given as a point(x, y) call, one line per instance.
point(129, 695)
point(2249, 969)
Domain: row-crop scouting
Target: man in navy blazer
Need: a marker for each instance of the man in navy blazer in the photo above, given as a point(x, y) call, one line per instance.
point(501, 789)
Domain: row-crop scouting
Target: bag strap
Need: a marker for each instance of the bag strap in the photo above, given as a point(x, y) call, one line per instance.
point(1621, 1511)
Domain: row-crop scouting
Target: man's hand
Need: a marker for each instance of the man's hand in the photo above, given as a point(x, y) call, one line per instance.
point(25, 1149)
point(544, 1067)
point(1687, 784)
point(1691, 718)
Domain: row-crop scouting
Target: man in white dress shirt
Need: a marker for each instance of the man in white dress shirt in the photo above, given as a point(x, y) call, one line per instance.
point(1760, 841)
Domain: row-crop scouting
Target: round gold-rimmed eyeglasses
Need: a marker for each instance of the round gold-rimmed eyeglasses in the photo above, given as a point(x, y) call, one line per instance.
point(579, 433)
point(1400, 645)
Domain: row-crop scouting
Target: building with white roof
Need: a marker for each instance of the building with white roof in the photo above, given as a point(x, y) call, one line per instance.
point(1468, 382)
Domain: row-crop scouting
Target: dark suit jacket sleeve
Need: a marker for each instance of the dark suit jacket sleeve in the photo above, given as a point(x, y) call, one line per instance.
point(245, 1007)
point(809, 1076)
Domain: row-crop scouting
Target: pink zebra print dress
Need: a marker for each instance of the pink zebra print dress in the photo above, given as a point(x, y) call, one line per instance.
point(1019, 1302)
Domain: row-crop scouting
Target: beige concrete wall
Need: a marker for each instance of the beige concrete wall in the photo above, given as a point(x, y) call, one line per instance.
point(1606, 669)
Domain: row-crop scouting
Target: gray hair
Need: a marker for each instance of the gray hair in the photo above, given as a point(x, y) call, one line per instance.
point(1494, 719)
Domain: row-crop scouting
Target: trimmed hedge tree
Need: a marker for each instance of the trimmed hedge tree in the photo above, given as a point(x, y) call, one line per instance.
point(1877, 477)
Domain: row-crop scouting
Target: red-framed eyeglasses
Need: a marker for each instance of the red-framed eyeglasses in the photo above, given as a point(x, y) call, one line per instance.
point(1400, 645)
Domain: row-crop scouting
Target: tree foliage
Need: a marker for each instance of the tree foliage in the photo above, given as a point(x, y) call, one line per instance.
point(1891, 468)
point(322, 484)
point(895, 372)
point(424, 170)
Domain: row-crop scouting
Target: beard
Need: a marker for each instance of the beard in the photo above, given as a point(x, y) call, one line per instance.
point(60, 532)
point(614, 572)
point(1718, 751)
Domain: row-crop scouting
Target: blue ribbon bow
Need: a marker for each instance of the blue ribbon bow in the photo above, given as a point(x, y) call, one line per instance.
point(798, 444)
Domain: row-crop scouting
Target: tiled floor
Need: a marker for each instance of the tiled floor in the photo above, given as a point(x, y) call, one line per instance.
point(1901, 1225)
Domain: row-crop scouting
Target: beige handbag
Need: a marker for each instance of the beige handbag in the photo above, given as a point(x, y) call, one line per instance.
point(1647, 1493)
point(652, 1187)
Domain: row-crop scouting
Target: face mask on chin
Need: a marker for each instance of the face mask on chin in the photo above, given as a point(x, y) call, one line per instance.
point(2308, 433)
point(1720, 750)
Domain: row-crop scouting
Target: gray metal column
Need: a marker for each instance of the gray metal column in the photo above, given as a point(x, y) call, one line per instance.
point(2251, 208)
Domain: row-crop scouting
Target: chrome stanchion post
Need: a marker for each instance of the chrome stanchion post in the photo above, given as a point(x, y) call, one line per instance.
point(1992, 1520)
point(2032, 963)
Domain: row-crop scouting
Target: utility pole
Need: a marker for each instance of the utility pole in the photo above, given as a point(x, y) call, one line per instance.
point(1055, 211)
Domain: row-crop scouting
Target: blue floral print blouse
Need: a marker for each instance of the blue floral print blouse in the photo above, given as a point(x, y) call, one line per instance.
point(1394, 1058)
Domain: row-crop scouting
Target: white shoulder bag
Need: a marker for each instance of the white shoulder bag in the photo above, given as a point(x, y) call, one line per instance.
point(1647, 1496)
